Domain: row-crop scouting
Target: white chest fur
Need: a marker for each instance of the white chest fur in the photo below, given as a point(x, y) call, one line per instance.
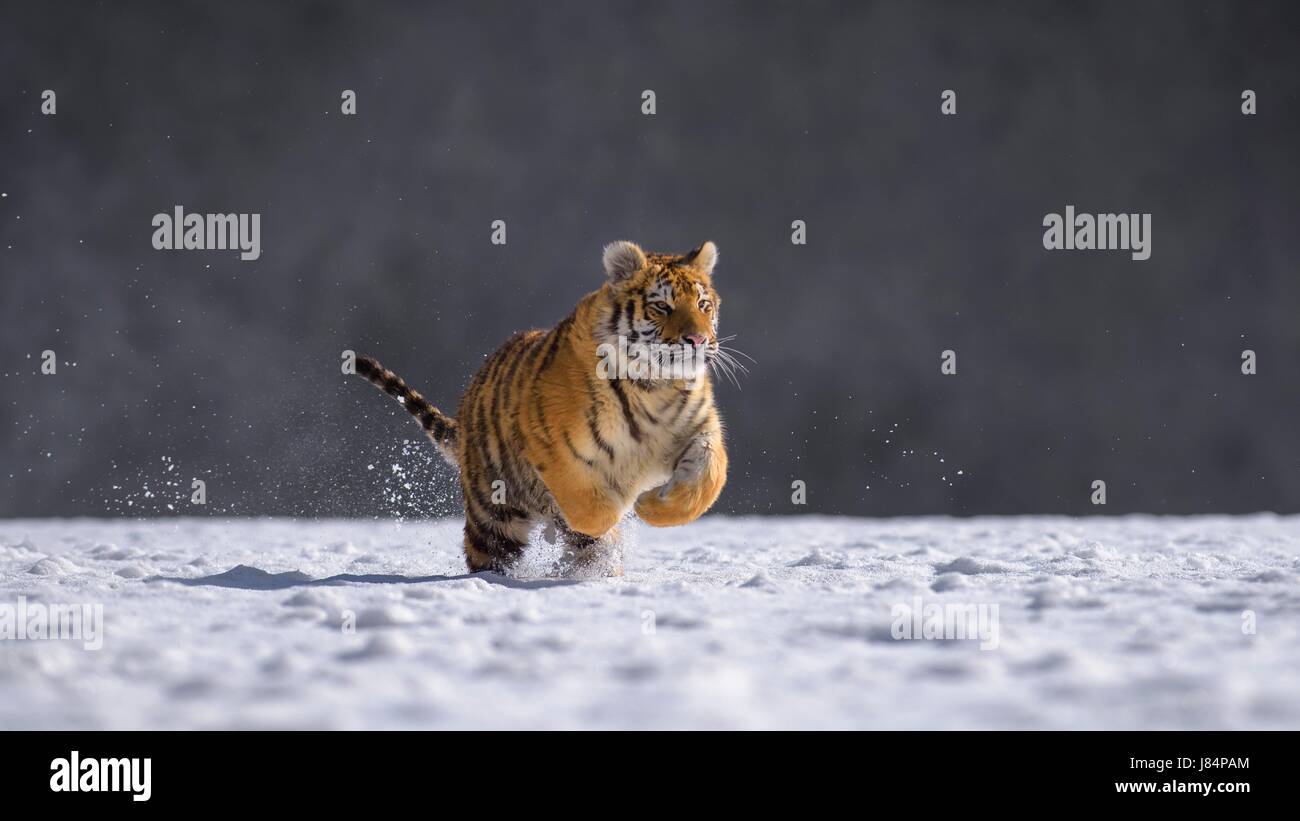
point(645, 453)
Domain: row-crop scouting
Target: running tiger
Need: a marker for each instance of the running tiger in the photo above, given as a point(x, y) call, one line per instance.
point(570, 443)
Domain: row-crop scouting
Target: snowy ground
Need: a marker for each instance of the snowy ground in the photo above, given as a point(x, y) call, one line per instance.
point(727, 623)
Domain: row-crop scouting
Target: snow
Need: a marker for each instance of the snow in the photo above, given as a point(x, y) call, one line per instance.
point(1128, 622)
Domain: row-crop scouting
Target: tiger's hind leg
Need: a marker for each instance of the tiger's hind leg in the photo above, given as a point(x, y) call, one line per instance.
point(588, 556)
point(494, 544)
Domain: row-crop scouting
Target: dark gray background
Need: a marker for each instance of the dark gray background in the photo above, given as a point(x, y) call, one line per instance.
point(924, 234)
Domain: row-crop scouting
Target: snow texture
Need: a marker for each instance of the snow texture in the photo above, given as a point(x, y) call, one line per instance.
point(1132, 622)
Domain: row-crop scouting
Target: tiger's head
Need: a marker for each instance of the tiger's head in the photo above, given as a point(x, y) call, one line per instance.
point(665, 303)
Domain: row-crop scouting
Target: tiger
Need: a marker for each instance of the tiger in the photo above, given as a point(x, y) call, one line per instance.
point(548, 434)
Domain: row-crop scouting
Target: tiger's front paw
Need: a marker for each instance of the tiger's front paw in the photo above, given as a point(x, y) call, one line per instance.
point(690, 465)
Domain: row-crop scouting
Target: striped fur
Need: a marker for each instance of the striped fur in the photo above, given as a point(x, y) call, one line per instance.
point(439, 427)
point(541, 437)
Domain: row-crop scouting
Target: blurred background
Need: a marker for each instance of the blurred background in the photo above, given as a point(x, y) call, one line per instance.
point(924, 233)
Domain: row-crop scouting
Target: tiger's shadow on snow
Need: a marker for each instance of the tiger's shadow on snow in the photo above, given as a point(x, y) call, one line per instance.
point(243, 577)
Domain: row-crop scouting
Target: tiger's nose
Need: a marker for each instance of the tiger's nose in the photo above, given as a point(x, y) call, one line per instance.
point(697, 340)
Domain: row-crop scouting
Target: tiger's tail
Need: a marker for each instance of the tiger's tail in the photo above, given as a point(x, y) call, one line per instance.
point(440, 427)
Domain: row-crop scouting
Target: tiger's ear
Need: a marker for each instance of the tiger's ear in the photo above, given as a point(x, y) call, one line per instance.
point(622, 260)
point(704, 257)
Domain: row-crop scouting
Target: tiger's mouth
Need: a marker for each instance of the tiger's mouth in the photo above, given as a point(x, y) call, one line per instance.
point(685, 361)
point(651, 361)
